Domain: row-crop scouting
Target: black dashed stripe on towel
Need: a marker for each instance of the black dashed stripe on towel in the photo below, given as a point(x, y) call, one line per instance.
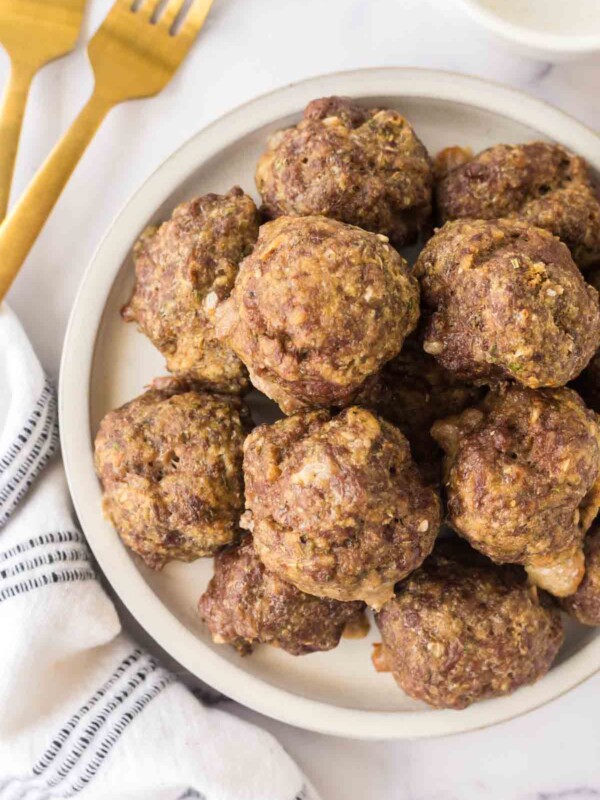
point(56, 537)
point(110, 741)
point(85, 759)
point(65, 732)
point(15, 482)
point(76, 751)
point(25, 484)
point(58, 576)
point(86, 738)
point(55, 557)
point(29, 469)
point(28, 429)
point(23, 467)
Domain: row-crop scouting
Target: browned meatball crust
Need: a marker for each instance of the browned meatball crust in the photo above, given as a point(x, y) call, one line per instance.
point(245, 604)
point(508, 302)
point(317, 308)
point(584, 605)
point(170, 463)
point(588, 383)
point(412, 391)
point(184, 269)
point(462, 629)
point(336, 505)
point(541, 183)
point(366, 167)
point(522, 480)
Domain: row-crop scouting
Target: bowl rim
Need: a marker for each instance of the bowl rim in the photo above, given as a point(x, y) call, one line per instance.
point(529, 37)
point(74, 404)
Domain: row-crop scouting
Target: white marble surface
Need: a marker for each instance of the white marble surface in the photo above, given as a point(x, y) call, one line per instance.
point(248, 47)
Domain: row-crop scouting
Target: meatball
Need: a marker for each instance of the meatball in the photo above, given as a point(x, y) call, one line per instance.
point(412, 391)
point(170, 463)
point(522, 480)
point(317, 308)
point(588, 383)
point(541, 183)
point(336, 505)
point(584, 605)
point(508, 302)
point(245, 603)
point(366, 167)
point(462, 629)
point(184, 269)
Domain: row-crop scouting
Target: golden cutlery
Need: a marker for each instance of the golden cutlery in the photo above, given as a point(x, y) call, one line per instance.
point(33, 32)
point(134, 54)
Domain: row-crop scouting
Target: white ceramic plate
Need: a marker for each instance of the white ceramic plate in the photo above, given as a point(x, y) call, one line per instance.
point(106, 363)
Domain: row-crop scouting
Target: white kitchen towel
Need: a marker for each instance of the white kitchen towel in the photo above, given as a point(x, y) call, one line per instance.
point(83, 710)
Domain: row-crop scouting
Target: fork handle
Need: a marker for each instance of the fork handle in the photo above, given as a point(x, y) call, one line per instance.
point(21, 228)
point(11, 121)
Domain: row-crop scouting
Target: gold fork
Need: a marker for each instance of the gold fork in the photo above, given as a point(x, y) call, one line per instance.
point(134, 54)
point(33, 32)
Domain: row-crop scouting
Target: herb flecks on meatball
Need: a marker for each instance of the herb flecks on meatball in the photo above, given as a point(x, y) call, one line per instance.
point(522, 480)
point(184, 269)
point(506, 301)
point(541, 183)
point(246, 604)
point(170, 463)
point(336, 505)
point(317, 308)
point(584, 605)
point(461, 629)
point(366, 167)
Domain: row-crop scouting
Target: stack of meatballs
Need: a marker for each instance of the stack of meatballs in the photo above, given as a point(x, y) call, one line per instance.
point(432, 461)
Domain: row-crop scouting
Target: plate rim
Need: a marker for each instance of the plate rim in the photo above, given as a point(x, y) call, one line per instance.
point(74, 404)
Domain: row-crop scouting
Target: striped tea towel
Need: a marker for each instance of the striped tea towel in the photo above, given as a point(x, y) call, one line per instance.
point(83, 710)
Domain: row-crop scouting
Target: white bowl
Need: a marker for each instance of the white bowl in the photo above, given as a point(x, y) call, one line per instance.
point(106, 362)
point(552, 30)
